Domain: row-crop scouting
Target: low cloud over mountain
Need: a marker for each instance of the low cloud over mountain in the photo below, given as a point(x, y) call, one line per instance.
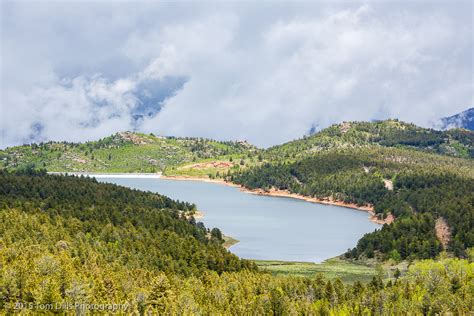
point(464, 119)
point(262, 72)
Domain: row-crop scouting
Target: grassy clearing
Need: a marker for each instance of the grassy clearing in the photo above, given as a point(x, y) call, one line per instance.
point(216, 167)
point(332, 268)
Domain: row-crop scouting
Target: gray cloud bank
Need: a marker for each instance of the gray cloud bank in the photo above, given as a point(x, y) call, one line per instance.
point(262, 72)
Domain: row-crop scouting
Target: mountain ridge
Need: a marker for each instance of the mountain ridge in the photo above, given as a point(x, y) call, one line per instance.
point(138, 152)
point(464, 120)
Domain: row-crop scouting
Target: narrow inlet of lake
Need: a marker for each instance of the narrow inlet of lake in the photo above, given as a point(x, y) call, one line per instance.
point(270, 228)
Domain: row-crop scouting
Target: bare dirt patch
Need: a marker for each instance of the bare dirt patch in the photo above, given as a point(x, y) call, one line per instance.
point(207, 165)
point(388, 184)
point(80, 160)
point(443, 232)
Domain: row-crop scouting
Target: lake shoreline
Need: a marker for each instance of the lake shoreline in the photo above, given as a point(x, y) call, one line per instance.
point(110, 175)
point(273, 192)
point(199, 215)
point(286, 194)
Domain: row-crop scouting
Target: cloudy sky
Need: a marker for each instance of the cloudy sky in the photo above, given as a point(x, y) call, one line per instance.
point(264, 72)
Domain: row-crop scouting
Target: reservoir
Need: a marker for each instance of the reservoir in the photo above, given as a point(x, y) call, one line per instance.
point(267, 227)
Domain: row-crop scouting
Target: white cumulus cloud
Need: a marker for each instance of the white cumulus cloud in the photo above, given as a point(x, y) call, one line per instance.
point(261, 72)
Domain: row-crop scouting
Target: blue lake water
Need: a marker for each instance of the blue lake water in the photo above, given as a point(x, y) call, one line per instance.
point(272, 228)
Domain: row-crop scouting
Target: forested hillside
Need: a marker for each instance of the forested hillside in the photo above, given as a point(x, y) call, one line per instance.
point(389, 133)
point(67, 240)
point(110, 224)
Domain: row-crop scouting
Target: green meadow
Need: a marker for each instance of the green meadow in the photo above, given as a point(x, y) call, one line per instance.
point(332, 268)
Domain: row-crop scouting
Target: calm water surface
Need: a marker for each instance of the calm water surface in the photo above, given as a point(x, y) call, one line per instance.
point(273, 228)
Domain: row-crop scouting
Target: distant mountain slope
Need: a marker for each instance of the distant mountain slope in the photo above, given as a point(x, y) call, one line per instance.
point(462, 120)
point(121, 152)
point(388, 133)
